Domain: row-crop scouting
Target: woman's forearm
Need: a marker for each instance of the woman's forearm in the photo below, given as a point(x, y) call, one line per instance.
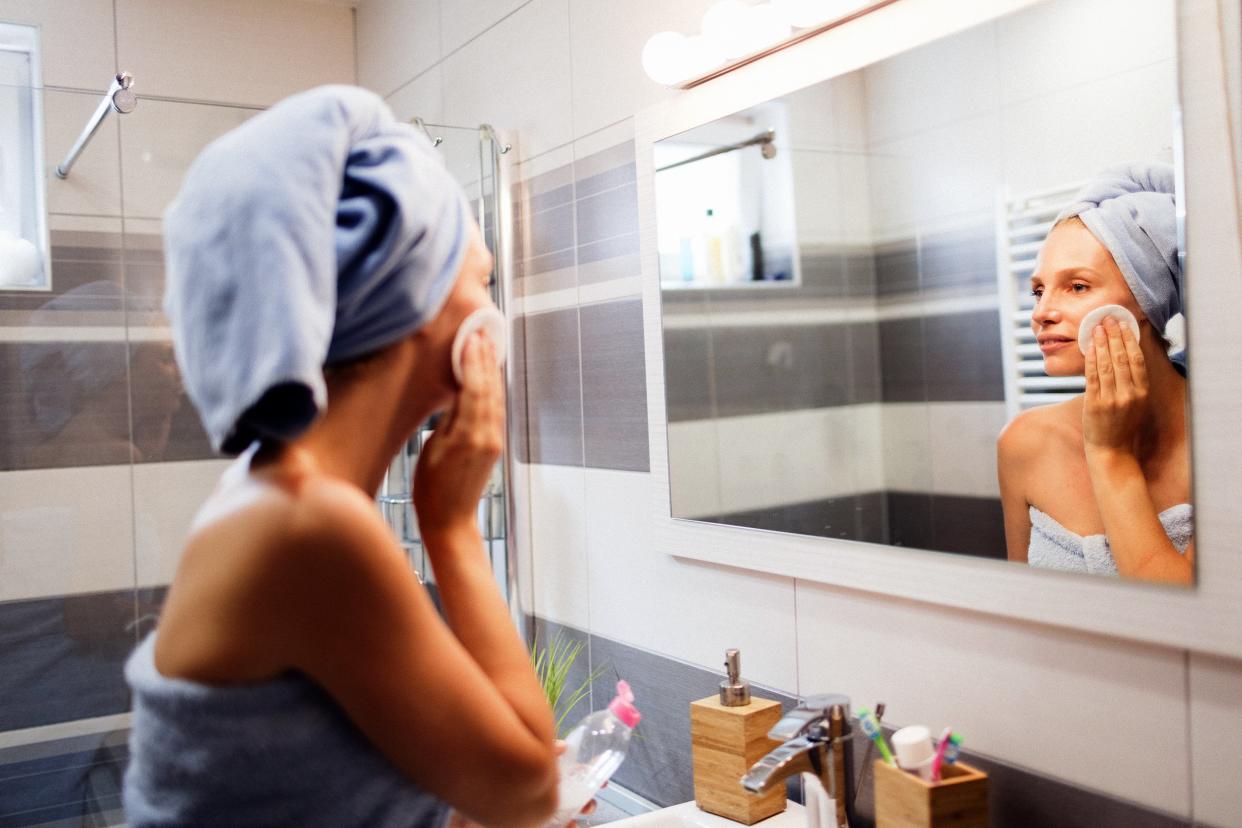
point(1136, 537)
point(479, 618)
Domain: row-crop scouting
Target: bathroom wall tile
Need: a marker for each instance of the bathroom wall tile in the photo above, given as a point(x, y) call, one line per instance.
point(910, 522)
point(65, 781)
point(642, 596)
point(945, 81)
point(1021, 677)
point(164, 424)
point(528, 50)
point(171, 46)
point(167, 496)
point(617, 247)
point(694, 469)
point(65, 531)
point(554, 387)
point(559, 538)
point(968, 526)
point(905, 443)
point(465, 19)
point(397, 40)
point(1215, 700)
point(78, 259)
point(963, 356)
point(962, 258)
point(902, 360)
point(758, 369)
point(614, 386)
point(896, 267)
point(659, 764)
point(421, 97)
point(864, 371)
point(159, 141)
point(516, 400)
point(850, 517)
point(1054, 46)
point(76, 38)
point(543, 274)
point(547, 231)
point(688, 374)
point(965, 464)
point(1142, 99)
point(605, 170)
point(63, 658)
point(606, 40)
point(607, 214)
point(94, 184)
point(823, 270)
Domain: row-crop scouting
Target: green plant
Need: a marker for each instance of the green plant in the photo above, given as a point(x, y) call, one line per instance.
point(552, 664)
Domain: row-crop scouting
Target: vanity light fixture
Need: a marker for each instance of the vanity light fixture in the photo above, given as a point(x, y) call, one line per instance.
point(735, 33)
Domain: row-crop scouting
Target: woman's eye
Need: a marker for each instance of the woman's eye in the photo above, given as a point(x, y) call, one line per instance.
point(1037, 292)
point(1079, 287)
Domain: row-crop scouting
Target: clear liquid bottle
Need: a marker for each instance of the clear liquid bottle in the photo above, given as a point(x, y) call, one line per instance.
point(593, 752)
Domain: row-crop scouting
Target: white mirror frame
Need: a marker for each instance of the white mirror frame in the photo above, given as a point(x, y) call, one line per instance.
point(1207, 617)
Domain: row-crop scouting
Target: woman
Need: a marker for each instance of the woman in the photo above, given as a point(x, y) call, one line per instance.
point(320, 262)
point(1101, 482)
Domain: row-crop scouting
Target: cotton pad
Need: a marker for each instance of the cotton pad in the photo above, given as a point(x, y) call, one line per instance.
point(1095, 317)
point(491, 322)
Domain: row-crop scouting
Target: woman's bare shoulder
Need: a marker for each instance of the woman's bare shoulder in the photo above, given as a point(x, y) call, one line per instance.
point(1036, 429)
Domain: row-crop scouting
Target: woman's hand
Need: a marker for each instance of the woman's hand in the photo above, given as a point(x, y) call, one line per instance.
point(1116, 399)
point(457, 460)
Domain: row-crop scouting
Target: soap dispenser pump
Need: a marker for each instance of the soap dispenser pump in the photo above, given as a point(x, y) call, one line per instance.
point(728, 734)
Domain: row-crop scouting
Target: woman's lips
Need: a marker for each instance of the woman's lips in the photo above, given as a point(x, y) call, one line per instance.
point(1050, 345)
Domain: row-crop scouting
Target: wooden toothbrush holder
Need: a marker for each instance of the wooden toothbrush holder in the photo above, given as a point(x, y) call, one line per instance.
point(904, 800)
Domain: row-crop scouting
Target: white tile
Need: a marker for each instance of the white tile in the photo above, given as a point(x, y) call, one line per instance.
point(1058, 45)
point(397, 40)
point(166, 498)
point(531, 166)
point(906, 430)
point(159, 141)
point(75, 38)
point(94, 184)
point(965, 464)
point(604, 138)
point(558, 537)
point(516, 76)
point(687, 610)
point(1215, 733)
point(1125, 117)
point(65, 531)
point(946, 81)
point(1096, 712)
point(694, 469)
point(236, 51)
point(820, 203)
point(607, 41)
point(422, 97)
point(464, 19)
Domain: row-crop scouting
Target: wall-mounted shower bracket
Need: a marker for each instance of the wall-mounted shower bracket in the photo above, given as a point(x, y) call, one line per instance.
point(119, 97)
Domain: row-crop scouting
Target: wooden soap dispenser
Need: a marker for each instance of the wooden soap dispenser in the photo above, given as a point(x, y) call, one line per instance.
point(728, 734)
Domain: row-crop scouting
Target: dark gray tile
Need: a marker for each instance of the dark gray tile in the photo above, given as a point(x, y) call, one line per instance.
point(164, 423)
point(658, 765)
point(560, 264)
point(607, 179)
point(763, 369)
point(896, 268)
point(72, 275)
point(910, 519)
point(964, 359)
point(605, 160)
point(614, 386)
point(547, 231)
point(519, 416)
point(74, 781)
point(599, 270)
point(860, 269)
point(968, 526)
point(688, 374)
point(608, 214)
point(864, 348)
point(825, 269)
point(625, 245)
point(553, 388)
point(63, 658)
point(903, 375)
point(851, 517)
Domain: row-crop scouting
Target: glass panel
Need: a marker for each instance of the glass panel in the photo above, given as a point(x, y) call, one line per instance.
point(24, 261)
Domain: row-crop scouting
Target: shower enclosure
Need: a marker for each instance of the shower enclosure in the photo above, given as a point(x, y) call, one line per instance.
point(103, 462)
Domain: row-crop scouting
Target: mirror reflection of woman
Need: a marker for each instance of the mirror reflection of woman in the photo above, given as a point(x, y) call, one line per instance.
point(1101, 482)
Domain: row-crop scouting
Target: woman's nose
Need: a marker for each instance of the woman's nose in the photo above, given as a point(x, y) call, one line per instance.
point(1045, 313)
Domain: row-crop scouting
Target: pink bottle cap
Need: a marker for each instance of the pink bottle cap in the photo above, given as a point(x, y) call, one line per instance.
point(623, 706)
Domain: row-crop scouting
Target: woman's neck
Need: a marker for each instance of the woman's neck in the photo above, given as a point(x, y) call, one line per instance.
point(1164, 426)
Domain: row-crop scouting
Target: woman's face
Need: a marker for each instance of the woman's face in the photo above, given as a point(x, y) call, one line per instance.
point(1074, 275)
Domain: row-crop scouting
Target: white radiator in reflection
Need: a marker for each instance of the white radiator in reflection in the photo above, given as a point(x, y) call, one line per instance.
point(1022, 224)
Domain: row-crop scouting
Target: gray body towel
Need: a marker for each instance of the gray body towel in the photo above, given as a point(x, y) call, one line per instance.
point(277, 753)
point(1052, 546)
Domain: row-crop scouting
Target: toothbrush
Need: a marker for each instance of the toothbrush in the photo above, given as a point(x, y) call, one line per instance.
point(945, 736)
point(872, 728)
point(954, 749)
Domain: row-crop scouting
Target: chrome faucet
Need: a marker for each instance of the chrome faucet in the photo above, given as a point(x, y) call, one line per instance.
point(816, 738)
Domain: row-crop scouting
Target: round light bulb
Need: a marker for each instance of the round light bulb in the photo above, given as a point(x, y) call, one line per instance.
point(664, 58)
point(805, 14)
point(702, 55)
point(765, 27)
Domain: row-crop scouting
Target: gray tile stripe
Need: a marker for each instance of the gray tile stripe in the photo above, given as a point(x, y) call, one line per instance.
point(658, 766)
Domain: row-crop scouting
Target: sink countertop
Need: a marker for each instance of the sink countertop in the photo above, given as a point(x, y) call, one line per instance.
point(688, 815)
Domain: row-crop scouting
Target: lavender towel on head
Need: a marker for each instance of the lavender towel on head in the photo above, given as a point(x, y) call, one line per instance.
point(1130, 209)
point(319, 230)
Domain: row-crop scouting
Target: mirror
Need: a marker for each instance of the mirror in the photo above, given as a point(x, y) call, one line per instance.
point(865, 303)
